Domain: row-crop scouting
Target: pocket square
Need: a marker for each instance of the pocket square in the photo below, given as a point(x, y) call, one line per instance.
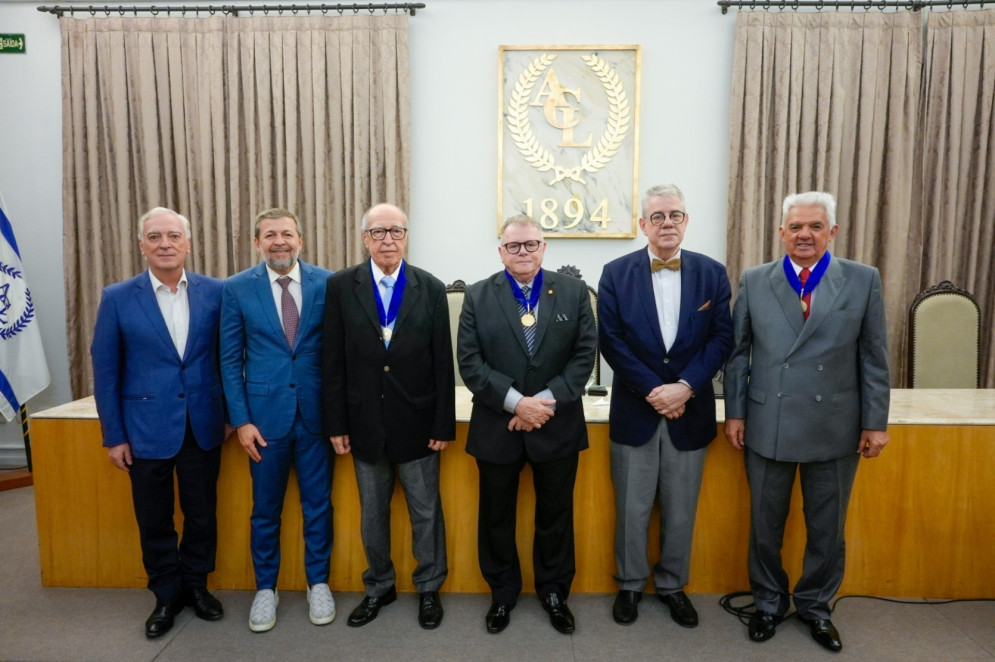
point(705, 306)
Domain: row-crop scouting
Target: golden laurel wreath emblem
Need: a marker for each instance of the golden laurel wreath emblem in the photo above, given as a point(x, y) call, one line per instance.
point(598, 156)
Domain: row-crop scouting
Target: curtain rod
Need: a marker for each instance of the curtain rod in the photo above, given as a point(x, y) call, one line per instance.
point(232, 10)
point(911, 5)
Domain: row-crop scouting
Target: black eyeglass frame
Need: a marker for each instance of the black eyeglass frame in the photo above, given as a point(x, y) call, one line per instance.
point(658, 218)
point(515, 247)
point(397, 233)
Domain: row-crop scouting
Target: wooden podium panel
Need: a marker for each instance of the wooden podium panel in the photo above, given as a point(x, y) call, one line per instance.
point(921, 517)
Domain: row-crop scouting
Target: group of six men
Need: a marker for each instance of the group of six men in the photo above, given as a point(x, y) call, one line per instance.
point(312, 364)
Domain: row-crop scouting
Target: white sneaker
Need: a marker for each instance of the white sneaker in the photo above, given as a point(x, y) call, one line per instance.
point(262, 615)
point(321, 604)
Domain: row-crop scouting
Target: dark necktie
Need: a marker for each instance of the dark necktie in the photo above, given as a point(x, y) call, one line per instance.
point(291, 317)
point(673, 264)
point(530, 330)
point(807, 298)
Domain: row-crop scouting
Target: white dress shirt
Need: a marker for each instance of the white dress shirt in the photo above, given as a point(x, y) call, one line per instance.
point(175, 309)
point(667, 293)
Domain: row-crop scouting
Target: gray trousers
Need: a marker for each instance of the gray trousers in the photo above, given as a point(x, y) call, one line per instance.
point(639, 474)
point(825, 495)
point(420, 481)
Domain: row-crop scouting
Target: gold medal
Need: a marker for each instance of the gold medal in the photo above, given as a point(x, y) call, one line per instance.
point(387, 333)
point(528, 319)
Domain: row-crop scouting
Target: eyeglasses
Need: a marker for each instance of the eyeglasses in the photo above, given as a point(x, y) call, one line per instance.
point(676, 217)
point(396, 232)
point(530, 246)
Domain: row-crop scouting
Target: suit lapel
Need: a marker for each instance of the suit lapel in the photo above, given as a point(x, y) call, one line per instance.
point(786, 297)
point(690, 286)
point(267, 304)
point(150, 306)
point(309, 292)
point(645, 297)
point(194, 304)
point(508, 305)
point(363, 291)
point(547, 309)
point(824, 299)
point(409, 298)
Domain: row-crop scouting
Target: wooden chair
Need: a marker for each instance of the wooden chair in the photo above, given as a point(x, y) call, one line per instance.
point(571, 270)
point(454, 296)
point(944, 337)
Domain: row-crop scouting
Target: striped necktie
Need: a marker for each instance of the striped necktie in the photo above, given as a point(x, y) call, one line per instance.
point(530, 331)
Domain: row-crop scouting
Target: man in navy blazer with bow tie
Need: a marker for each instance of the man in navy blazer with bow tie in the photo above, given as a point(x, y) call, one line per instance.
point(665, 331)
point(158, 392)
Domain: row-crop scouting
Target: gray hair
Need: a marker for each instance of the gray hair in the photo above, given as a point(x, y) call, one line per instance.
point(521, 219)
point(661, 189)
point(160, 211)
point(276, 212)
point(809, 199)
point(366, 216)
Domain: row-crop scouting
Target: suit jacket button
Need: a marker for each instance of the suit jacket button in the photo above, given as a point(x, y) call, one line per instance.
point(785, 366)
point(780, 395)
point(292, 385)
point(818, 367)
point(666, 360)
point(386, 368)
point(182, 395)
point(818, 398)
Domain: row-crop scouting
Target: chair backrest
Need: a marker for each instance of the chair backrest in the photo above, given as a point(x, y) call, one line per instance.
point(944, 336)
point(571, 270)
point(454, 296)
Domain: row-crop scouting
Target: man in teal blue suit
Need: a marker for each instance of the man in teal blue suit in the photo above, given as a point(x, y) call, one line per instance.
point(271, 368)
point(158, 392)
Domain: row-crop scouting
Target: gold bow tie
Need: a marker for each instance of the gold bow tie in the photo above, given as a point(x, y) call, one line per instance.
point(674, 264)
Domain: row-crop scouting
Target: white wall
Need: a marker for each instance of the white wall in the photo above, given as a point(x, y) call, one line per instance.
point(686, 69)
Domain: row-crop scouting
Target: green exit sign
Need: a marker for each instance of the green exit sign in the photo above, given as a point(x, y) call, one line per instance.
point(12, 43)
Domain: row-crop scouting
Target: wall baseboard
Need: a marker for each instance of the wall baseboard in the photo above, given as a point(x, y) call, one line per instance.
point(12, 457)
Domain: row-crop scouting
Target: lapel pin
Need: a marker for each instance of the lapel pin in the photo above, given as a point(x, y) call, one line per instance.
point(550, 292)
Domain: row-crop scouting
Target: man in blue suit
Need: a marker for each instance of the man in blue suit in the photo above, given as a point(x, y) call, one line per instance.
point(158, 392)
point(271, 368)
point(665, 331)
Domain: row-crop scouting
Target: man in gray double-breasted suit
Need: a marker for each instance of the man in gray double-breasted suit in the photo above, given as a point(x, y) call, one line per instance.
point(814, 398)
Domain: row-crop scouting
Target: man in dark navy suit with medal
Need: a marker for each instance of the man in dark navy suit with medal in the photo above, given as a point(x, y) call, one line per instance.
point(526, 348)
point(389, 399)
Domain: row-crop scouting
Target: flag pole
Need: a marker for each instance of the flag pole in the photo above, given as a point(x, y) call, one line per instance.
point(27, 436)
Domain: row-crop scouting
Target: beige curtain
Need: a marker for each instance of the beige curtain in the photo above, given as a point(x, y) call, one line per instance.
point(828, 101)
point(957, 196)
point(219, 118)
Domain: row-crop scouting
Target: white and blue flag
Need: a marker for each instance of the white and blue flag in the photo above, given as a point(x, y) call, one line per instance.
point(23, 371)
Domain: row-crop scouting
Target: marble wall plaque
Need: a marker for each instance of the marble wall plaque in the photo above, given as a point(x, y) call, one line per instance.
point(568, 127)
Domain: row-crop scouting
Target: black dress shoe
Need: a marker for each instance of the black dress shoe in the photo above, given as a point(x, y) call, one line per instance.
point(559, 613)
point(204, 604)
point(681, 609)
point(368, 609)
point(825, 634)
point(429, 610)
point(626, 610)
point(762, 624)
point(498, 616)
point(161, 620)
